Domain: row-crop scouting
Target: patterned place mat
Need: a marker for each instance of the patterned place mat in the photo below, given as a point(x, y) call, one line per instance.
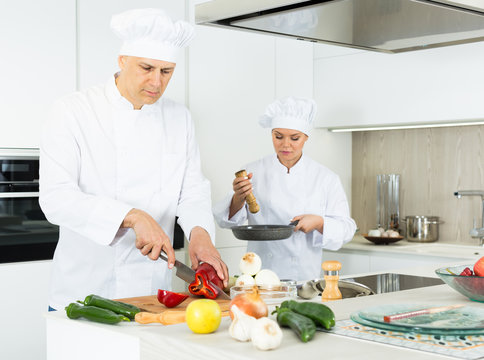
point(461, 346)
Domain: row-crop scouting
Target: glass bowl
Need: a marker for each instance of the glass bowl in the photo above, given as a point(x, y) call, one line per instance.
point(272, 295)
point(470, 286)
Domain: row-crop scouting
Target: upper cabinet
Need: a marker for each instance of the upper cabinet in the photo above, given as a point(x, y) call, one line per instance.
point(38, 65)
point(362, 89)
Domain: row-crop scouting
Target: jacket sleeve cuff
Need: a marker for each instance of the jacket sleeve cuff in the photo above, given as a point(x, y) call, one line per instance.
point(337, 232)
point(103, 225)
point(221, 213)
point(205, 222)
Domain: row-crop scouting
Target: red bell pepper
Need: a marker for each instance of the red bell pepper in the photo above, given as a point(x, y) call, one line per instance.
point(170, 299)
point(205, 276)
point(466, 272)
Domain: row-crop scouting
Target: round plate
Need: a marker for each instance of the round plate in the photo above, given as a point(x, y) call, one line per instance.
point(378, 240)
point(464, 318)
point(387, 326)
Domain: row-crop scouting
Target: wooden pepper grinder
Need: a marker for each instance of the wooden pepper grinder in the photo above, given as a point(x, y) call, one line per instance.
point(253, 206)
point(331, 276)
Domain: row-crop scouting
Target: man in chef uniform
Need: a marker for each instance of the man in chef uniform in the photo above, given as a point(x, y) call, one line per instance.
point(290, 186)
point(118, 163)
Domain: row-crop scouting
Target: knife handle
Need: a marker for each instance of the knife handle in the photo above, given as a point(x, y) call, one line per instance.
point(163, 256)
point(168, 317)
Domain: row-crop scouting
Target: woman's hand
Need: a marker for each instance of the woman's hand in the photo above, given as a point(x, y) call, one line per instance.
point(201, 249)
point(242, 187)
point(309, 222)
point(150, 237)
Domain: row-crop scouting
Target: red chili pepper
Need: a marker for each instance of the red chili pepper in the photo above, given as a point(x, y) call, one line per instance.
point(170, 299)
point(204, 276)
point(466, 272)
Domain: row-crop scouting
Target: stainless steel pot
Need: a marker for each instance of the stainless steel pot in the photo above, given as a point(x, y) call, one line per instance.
point(422, 228)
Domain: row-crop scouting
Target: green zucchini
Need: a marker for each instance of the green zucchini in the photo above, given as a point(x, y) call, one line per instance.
point(303, 327)
point(319, 313)
point(118, 307)
point(93, 313)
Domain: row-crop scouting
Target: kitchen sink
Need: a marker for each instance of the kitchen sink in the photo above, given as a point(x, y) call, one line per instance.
point(390, 282)
point(368, 285)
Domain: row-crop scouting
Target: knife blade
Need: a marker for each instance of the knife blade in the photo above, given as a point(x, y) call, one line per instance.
point(187, 274)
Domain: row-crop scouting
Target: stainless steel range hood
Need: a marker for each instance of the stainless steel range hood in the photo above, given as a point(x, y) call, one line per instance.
point(390, 26)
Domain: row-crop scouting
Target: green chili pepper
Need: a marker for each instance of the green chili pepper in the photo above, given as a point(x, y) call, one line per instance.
point(94, 313)
point(319, 313)
point(118, 307)
point(303, 326)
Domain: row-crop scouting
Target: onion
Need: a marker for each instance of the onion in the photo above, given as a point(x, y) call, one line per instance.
point(245, 280)
point(376, 233)
point(250, 263)
point(267, 277)
point(250, 303)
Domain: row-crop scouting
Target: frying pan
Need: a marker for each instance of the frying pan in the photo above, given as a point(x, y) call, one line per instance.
point(264, 232)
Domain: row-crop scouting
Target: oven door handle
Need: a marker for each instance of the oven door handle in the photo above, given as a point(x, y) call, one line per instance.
point(7, 195)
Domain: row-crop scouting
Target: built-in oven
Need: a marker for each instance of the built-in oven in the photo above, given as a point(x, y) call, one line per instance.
point(25, 233)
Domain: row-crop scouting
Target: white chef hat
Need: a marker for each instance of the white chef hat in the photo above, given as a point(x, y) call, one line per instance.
point(151, 33)
point(290, 113)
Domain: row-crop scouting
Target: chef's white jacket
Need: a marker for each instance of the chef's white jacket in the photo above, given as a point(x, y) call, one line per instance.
point(309, 188)
point(100, 158)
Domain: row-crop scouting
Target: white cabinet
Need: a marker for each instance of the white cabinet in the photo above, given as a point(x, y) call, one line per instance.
point(24, 298)
point(38, 65)
point(99, 46)
point(425, 86)
point(351, 263)
point(357, 262)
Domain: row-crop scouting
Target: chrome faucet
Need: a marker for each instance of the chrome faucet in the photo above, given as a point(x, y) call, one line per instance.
point(475, 232)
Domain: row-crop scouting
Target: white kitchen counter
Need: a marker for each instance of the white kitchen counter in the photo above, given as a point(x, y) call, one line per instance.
point(80, 339)
point(361, 256)
point(437, 249)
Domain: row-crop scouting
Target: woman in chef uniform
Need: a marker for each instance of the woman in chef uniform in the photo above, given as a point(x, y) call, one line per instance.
point(118, 163)
point(290, 186)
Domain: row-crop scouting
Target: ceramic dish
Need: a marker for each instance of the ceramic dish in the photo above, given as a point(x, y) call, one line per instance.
point(379, 240)
point(464, 318)
point(470, 286)
point(270, 294)
point(417, 330)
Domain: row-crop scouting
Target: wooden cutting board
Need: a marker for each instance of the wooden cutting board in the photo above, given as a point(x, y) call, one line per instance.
point(169, 316)
point(151, 304)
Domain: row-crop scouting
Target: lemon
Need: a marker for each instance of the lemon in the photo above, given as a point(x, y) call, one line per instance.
point(203, 316)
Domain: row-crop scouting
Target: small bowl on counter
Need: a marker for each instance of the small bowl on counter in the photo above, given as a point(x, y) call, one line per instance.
point(272, 295)
point(471, 286)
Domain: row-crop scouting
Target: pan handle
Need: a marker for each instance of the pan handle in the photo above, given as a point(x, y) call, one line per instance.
point(294, 223)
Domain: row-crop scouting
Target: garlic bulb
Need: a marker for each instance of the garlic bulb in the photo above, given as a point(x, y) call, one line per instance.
point(240, 328)
point(250, 263)
point(266, 334)
point(267, 277)
point(245, 280)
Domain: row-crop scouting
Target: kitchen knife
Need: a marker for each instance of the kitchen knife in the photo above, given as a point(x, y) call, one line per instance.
point(188, 275)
